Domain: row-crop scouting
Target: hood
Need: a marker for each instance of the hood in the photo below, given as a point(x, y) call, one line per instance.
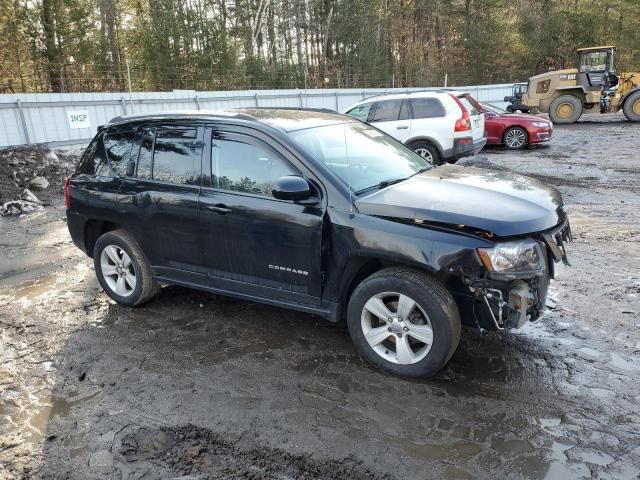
point(503, 203)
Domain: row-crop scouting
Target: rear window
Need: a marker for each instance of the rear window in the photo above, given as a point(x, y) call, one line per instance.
point(94, 161)
point(387, 111)
point(470, 104)
point(118, 146)
point(427, 108)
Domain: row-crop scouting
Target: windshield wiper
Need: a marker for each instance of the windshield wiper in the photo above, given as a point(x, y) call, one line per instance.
point(378, 186)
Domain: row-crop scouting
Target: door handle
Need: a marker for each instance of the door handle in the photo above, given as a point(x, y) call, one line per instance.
point(402, 127)
point(220, 208)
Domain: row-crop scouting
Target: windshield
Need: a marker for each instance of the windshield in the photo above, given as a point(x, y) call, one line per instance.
point(593, 61)
point(360, 155)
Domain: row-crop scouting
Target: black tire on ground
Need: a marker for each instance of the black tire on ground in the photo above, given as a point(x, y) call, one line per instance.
point(145, 285)
point(565, 109)
point(631, 107)
point(426, 150)
point(515, 138)
point(430, 296)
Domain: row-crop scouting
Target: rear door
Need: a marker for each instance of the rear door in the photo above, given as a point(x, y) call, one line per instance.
point(159, 205)
point(392, 117)
point(429, 121)
point(476, 114)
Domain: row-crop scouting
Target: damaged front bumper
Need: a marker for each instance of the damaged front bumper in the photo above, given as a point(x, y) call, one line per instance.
point(503, 301)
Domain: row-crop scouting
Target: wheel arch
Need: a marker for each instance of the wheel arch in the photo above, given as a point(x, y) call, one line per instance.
point(626, 96)
point(424, 138)
point(93, 229)
point(359, 268)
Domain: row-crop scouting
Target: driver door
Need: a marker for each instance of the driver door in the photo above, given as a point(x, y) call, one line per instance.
point(253, 243)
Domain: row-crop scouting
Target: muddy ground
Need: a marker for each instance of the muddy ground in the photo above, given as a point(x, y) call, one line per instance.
point(193, 385)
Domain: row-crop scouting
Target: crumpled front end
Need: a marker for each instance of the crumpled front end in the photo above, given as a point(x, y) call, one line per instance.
point(500, 301)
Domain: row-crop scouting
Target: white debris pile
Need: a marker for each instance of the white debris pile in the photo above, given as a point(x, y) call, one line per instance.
point(33, 168)
point(26, 203)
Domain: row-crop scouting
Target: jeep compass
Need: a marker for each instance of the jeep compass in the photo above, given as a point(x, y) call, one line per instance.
point(321, 213)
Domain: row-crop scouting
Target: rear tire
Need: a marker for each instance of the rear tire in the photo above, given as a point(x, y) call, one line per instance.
point(631, 107)
point(565, 109)
point(515, 138)
point(422, 327)
point(122, 269)
point(426, 150)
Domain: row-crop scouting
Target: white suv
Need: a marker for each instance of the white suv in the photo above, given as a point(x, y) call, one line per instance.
point(441, 126)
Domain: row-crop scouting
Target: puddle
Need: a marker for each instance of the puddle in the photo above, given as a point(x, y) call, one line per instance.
point(53, 407)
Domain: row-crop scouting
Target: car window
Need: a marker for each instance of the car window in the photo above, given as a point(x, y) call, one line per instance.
point(427, 108)
point(174, 154)
point(386, 111)
point(117, 146)
point(470, 104)
point(243, 164)
point(146, 151)
point(361, 112)
point(169, 154)
point(94, 161)
point(405, 112)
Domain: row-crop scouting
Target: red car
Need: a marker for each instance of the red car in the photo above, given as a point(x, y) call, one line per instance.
point(514, 131)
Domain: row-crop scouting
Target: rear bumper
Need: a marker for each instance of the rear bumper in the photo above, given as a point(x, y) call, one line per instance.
point(464, 147)
point(75, 224)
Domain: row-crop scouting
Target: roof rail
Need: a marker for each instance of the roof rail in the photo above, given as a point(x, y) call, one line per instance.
point(303, 109)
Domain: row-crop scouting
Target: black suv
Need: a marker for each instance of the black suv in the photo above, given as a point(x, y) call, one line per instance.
point(321, 213)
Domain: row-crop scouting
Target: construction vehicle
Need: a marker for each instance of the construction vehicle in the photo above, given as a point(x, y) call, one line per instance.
point(593, 87)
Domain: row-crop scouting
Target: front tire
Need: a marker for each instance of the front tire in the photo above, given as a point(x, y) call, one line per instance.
point(515, 138)
point(565, 109)
point(631, 107)
point(404, 322)
point(122, 269)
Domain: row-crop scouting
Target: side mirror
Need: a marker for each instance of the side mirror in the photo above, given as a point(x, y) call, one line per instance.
point(131, 168)
point(291, 188)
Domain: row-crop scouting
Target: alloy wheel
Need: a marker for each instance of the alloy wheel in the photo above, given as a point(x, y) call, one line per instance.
point(397, 328)
point(515, 138)
point(424, 153)
point(117, 270)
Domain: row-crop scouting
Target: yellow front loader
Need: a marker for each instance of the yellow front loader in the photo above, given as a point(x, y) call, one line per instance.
point(593, 87)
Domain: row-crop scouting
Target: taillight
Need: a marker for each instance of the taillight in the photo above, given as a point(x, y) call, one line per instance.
point(67, 191)
point(463, 123)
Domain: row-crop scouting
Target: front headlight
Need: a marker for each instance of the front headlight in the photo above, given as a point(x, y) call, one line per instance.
point(513, 257)
point(541, 124)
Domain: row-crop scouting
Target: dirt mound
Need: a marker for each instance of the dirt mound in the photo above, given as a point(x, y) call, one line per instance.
point(37, 168)
point(200, 453)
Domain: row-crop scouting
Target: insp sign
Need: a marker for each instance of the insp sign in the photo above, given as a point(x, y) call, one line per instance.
point(79, 119)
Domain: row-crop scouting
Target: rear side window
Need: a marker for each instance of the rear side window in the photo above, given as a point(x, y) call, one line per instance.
point(427, 108)
point(174, 154)
point(470, 104)
point(387, 111)
point(94, 161)
point(169, 154)
point(118, 146)
point(361, 112)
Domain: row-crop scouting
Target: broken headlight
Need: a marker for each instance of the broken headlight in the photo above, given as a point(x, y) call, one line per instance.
point(512, 257)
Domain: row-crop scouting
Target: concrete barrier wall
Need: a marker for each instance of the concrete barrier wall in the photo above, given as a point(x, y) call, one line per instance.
point(44, 117)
